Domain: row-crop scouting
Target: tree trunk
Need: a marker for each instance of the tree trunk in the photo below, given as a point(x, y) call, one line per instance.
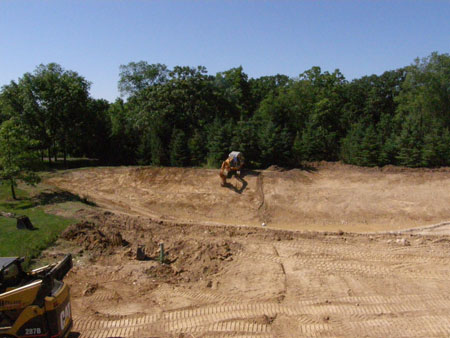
point(42, 155)
point(65, 153)
point(55, 150)
point(49, 156)
point(13, 192)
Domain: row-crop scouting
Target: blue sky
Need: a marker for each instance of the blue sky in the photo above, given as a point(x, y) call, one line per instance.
point(94, 38)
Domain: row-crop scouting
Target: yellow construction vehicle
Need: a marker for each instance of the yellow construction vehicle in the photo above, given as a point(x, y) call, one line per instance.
point(34, 304)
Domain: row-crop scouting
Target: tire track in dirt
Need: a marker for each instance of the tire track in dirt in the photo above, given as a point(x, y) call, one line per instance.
point(235, 318)
point(420, 326)
point(327, 268)
point(404, 260)
point(223, 318)
point(335, 284)
point(260, 256)
point(203, 296)
point(102, 296)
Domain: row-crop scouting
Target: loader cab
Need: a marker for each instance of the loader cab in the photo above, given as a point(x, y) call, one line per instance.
point(35, 303)
point(11, 272)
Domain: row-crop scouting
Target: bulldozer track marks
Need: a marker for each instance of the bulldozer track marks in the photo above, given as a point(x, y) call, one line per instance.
point(422, 326)
point(310, 250)
point(342, 296)
point(358, 314)
point(102, 296)
point(346, 259)
point(209, 319)
point(260, 257)
point(206, 297)
point(365, 264)
point(276, 283)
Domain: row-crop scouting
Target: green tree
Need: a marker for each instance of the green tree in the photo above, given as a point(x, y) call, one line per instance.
point(410, 142)
point(220, 133)
point(369, 148)
point(126, 145)
point(94, 132)
point(297, 149)
point(317, 142)
point(350, 144)
point(136, 76)
point(426, 89)
point(52, 104)
point(261, 87)
point(245, 139)
point(197, 147)
point(423, 112)
point(234, 87)
point(387, 132)
point(179, 152)
point(436, 149)
point(275, 143)
point(17, 156)
point(361, 145)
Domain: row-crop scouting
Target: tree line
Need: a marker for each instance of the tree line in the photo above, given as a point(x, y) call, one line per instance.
point(187, 117)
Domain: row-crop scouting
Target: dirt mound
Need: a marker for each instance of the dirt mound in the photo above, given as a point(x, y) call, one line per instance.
point(186, 256)
point(322, 197)
point(196, 260)
point(186, 260)
point(276, 168)
point(90, 237)
point(230, 281)
point(221, 280)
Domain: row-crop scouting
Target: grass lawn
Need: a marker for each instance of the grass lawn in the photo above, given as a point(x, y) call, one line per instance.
point(27, 243)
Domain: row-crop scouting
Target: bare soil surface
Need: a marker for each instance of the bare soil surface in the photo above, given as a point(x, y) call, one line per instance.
point(326, 197)
point(218, 280)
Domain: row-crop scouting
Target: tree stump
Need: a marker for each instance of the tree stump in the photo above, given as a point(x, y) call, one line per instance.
point(140, 253)
point(23, 222)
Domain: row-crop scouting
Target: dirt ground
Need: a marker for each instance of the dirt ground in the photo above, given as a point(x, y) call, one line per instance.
point(327, 197)
point(355, 268)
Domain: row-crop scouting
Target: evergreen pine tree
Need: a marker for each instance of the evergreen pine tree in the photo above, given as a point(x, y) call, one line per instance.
point(297, 149)
point(410, 143)
point(369, 148)
point(436, 149)
point(179, 153)
point(245, 139)
point(144, 151)
point(157, 149)
point(197, 148)
point(351, 144)
point(219, 141)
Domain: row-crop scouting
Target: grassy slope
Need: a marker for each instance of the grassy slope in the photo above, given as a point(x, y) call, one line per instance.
point(14, 242)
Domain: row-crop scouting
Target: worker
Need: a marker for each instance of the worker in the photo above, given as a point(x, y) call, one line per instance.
point(232, 165)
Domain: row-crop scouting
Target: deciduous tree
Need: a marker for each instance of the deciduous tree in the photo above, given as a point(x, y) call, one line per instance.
point(18, 159)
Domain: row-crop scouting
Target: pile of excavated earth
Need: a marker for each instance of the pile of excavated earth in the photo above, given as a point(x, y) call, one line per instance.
point(343, 251)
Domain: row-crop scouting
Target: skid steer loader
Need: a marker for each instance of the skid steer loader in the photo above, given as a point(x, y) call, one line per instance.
point(34, 304)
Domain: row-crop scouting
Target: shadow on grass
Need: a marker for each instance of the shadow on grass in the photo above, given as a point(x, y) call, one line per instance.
point(17, 204)
point(45, 198)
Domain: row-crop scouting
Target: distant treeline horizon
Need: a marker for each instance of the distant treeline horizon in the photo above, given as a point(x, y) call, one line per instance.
point(186, 117)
